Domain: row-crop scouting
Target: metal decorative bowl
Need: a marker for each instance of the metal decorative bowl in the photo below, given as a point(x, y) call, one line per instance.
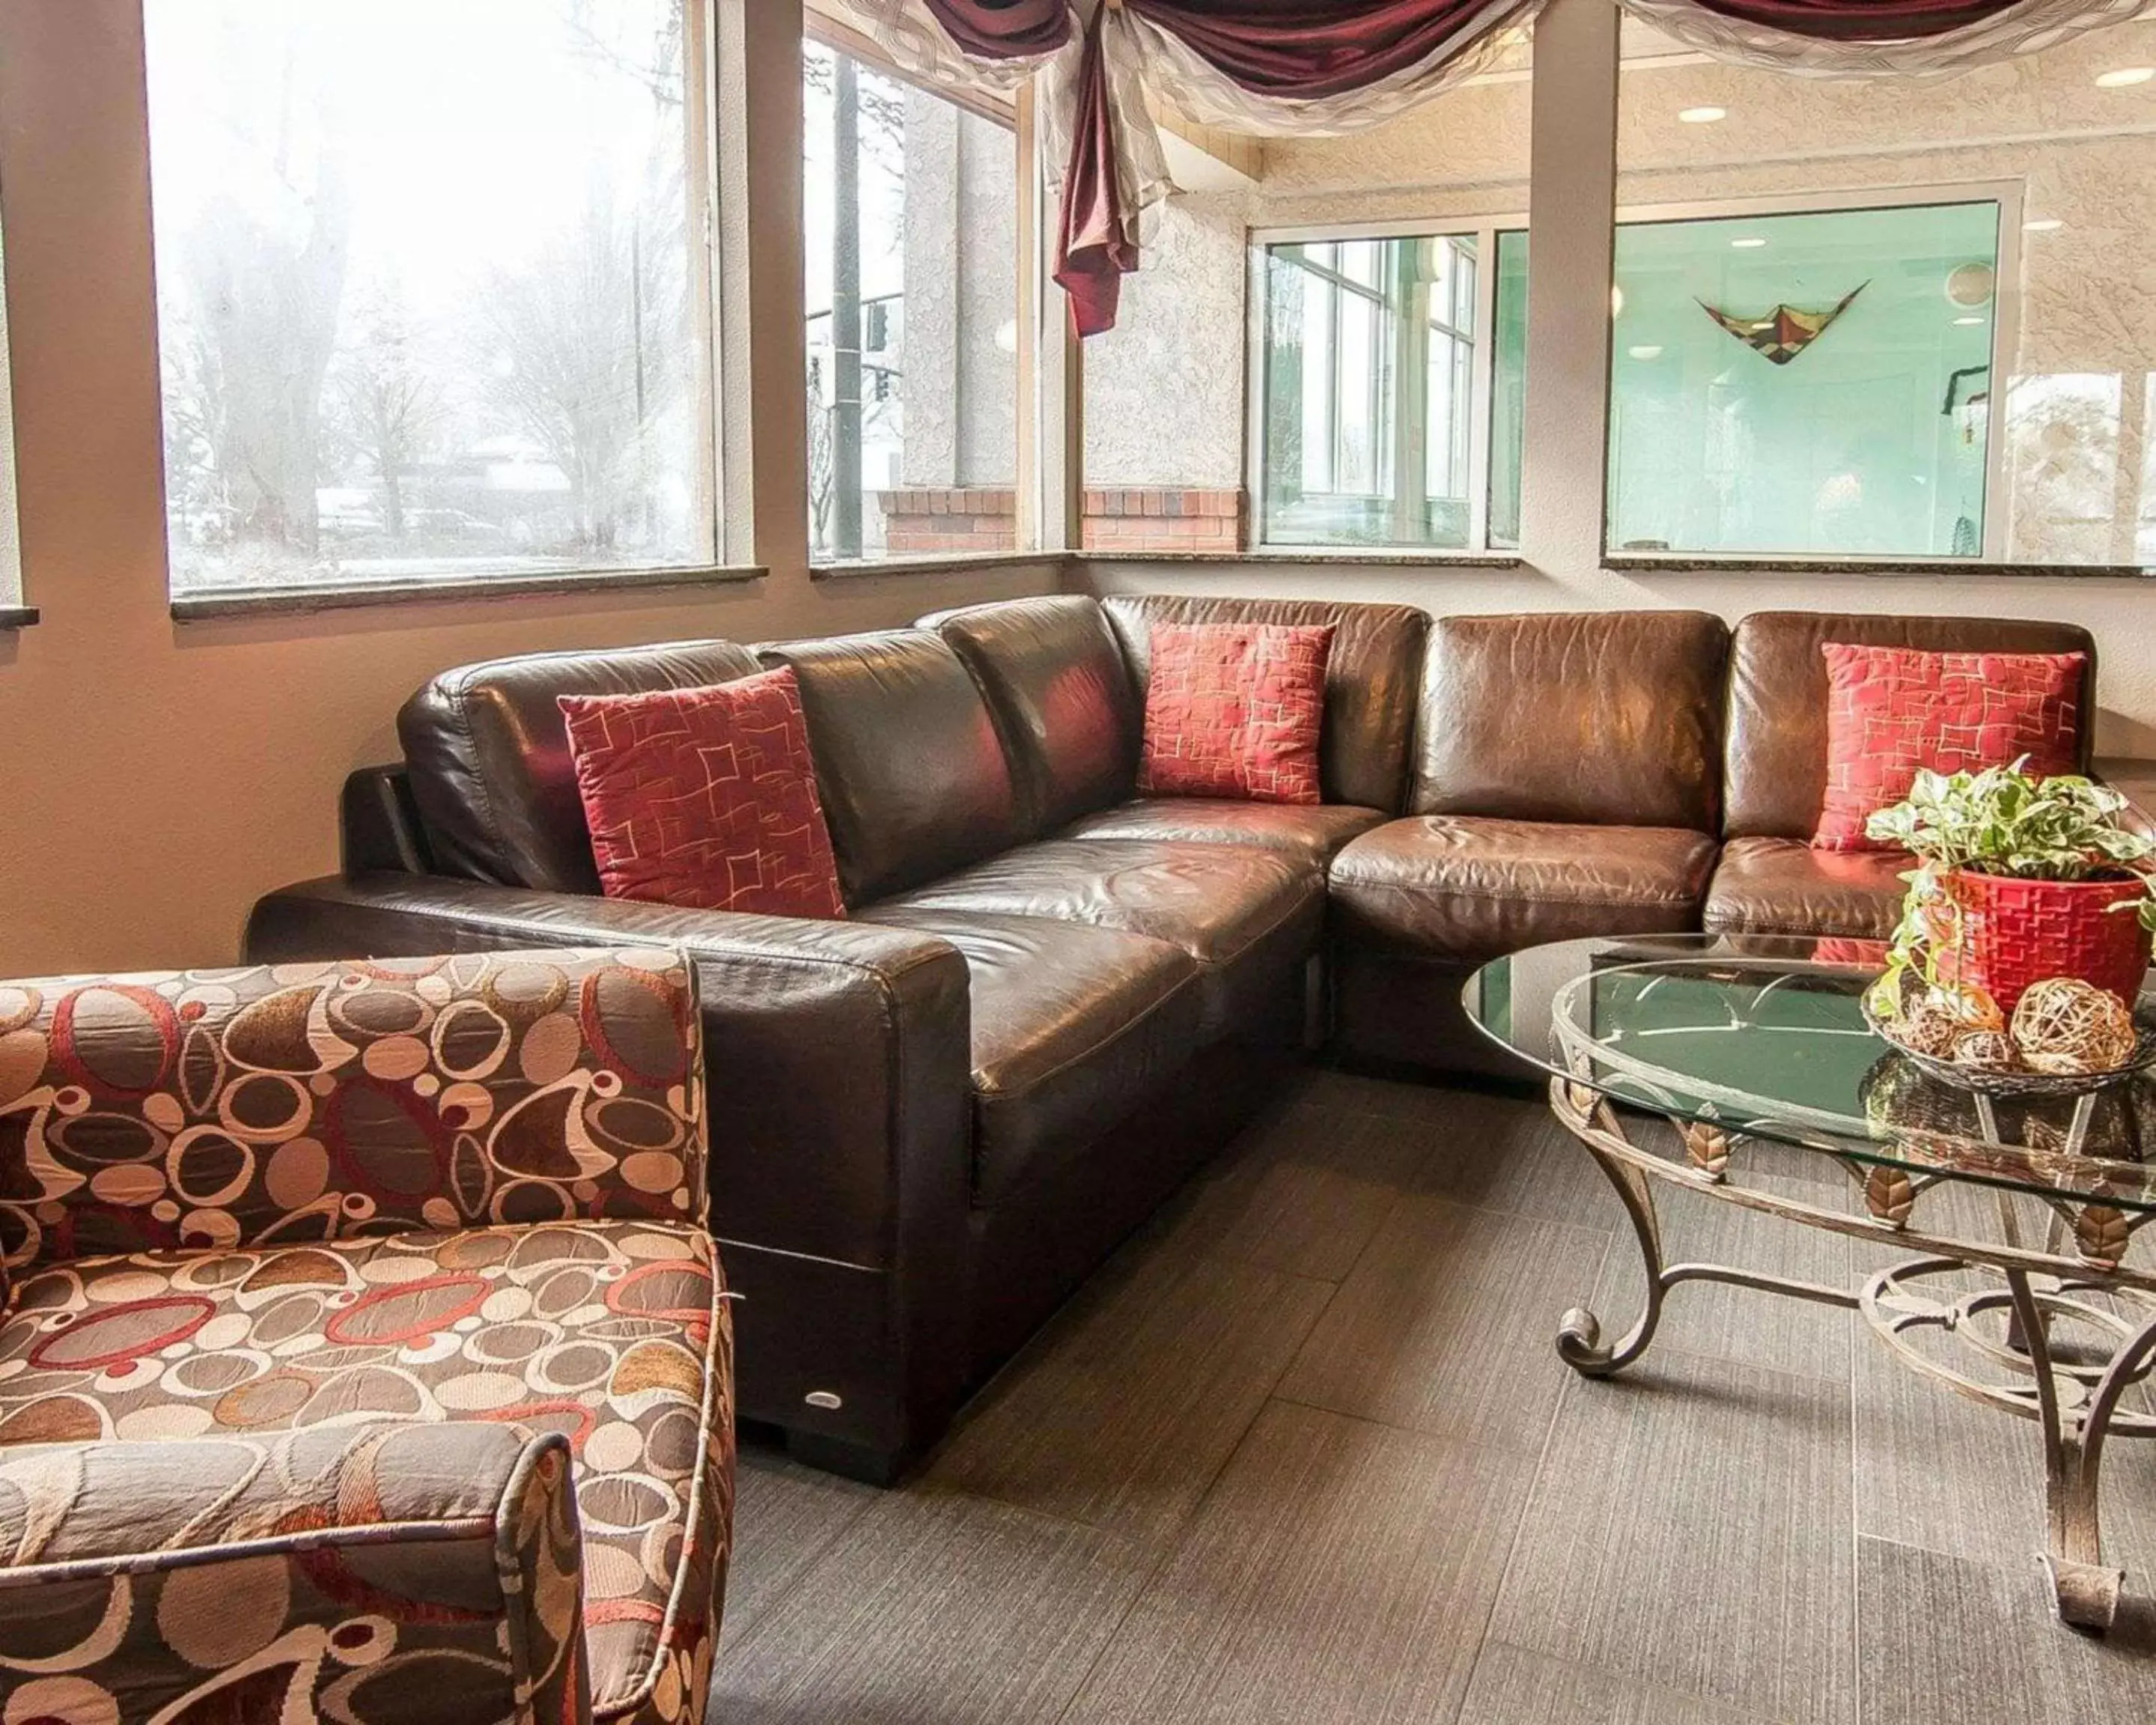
point(2010, 1081)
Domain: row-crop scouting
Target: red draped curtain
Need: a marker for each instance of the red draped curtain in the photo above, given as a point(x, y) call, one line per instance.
point(1004, 30)
point(1306, 65)
point(1291, 48)
point(1860, 20)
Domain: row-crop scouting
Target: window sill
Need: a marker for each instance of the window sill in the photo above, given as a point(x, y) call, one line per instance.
point(938, 563)
point(1319, 554)
point(18, 616)
point(1679, 563)
point(300, 601)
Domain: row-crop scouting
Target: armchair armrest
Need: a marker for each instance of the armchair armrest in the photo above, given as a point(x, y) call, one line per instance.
point(265, 1576)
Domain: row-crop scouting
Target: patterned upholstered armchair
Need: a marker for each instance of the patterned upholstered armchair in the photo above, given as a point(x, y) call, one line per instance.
point(362, 1356)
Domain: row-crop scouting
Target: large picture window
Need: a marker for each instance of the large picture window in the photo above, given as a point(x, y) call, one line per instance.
point(910, 223)
point(1374, 374)
point(1814, 382)
point(433, 288)
point(1986, 394)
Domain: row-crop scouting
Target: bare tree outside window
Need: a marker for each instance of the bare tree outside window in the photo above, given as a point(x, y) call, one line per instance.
point(431, 300)
point(911, 224)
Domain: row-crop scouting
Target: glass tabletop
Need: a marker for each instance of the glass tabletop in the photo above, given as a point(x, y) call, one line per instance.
point(1764, 1036)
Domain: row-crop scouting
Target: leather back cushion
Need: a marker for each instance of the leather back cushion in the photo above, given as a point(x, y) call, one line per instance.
point(1371, 678)
point(1056, 681)
point(913, 776)
point(1775, 775)
point(488, 755)
point(1604, 718)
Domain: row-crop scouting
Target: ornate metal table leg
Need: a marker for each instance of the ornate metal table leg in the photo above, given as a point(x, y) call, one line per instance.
point(2085, 1587)
point(1579, 1336)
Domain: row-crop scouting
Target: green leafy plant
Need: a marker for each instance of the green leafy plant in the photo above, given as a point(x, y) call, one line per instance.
point(2000, 821)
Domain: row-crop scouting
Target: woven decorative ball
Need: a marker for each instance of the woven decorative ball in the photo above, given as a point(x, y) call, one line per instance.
point(1986, 1051)
point(2065, 1025)
point(1969, 1006)
point(1928, 1028)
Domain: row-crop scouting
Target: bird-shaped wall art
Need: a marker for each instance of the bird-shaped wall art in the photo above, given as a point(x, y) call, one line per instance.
point(1782, 334)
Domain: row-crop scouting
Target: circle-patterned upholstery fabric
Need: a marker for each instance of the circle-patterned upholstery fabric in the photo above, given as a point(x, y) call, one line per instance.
point(612, 1333)
point(218, 1108)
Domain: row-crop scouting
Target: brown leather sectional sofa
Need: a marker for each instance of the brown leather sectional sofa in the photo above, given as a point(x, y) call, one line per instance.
point(1053, 999)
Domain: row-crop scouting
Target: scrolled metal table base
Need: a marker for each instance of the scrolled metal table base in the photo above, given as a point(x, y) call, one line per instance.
point(2073, 1396)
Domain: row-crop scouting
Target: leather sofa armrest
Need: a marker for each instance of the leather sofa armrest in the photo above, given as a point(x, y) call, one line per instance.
point(839, 1067)
point(232, 1574)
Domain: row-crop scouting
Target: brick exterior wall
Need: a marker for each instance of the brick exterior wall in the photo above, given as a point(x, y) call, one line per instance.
point(939, 521)
point(1156, 518)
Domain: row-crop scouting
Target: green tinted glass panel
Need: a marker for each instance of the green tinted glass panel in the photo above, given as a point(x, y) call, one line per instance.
point(1814, 383)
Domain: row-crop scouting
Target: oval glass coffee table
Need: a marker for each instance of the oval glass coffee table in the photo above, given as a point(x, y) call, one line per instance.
point(2026, 1287)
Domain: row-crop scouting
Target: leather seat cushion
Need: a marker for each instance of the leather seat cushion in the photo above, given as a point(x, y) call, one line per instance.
point(1781, 886)
point(1462, 887)
point(1073, 1028)
point(1312, 830)
point(608, 1332)
point(1246, 915)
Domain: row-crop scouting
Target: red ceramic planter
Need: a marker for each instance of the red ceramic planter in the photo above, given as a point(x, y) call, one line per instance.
point(2017, 932)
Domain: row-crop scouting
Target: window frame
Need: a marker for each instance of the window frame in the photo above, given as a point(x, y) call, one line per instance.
point(703, 219)
point(2009, 195)
point(1258, 241)
point(834, 37)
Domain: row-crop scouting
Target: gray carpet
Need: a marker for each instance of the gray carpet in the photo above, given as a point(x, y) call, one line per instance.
point(1303, 1453)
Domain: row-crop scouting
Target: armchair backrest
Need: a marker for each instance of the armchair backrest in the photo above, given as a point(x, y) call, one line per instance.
point(187, 1109)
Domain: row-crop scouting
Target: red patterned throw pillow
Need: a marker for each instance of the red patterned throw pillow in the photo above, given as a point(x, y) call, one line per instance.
point(1235, 709)
point(705, 798)
point(1893, 709)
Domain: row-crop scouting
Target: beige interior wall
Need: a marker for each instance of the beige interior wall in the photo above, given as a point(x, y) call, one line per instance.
point(155, 776)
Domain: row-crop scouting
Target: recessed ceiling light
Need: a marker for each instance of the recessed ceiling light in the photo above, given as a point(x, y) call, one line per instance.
point(1701, 116)
point(1644, 352)
point(1965, 321)
point(1748, 245)
point(2043, 224)
point(2124, 77)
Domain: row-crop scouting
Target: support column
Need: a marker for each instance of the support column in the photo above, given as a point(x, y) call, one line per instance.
point(763, 343)
point(1570, 255)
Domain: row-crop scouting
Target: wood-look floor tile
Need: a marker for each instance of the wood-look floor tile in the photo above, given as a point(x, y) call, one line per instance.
point(1729, 1323)
point(1340, 1571)
point(1514, 1686)
point(1937, 1469)
point(785, 1515)
point(1302, 1193)
point(1125, 1408)
point(1691, 1527)
point(1500, 1152)
point(1943, 1637)
point(1447, 1324)
point(934, 1609)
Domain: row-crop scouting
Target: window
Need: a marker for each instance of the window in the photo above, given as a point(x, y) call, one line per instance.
point(433, 288)
point(1387, 358)
point(911, 280)
point(1814, 384)
point(1374, 361)
point(1986, 392)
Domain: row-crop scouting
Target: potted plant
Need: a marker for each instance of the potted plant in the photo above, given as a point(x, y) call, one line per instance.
point(2019, 880)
